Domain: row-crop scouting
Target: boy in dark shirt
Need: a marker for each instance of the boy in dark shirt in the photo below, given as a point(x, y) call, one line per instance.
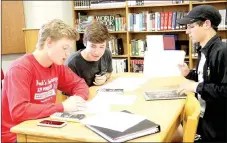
point(94, 63)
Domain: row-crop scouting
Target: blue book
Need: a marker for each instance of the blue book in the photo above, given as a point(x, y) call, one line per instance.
point(174, 20)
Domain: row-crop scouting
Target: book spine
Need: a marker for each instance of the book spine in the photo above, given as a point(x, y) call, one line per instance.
point(166, 17)
point(174, 21)
point(170, 21)
point(162, 14)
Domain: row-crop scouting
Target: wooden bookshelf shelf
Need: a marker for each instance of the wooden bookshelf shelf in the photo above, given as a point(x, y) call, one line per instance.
point(208, 2)
point(222, 29)
point(187, 57)
point(159, 31)
point(120, 56)
point(137, 56)
point(101, 8)
point(194, 58)
point(159, 5)
point(116, 32)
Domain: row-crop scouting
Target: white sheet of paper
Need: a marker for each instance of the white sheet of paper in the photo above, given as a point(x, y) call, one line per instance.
point(127, 83)
point(163, 64)
point(95, 108)
point(118, 121)
point(112, 98)
point(155, 43)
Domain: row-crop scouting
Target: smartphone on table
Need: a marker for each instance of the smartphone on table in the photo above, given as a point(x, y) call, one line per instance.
point(52, 123)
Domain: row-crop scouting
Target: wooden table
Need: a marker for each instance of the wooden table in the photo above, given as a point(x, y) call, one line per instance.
point(167, 113)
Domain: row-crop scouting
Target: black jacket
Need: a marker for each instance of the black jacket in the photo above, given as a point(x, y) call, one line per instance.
point(214, 89)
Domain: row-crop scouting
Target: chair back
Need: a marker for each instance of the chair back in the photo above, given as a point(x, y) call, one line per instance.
point(190, 118)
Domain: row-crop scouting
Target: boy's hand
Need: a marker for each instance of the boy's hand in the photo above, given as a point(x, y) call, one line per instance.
point(188, 86)
point(184, 69)
point(100, 79)
point(74, 104)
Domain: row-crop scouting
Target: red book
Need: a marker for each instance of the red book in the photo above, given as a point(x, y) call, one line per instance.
point(169, 42)
point(170, 21)
point(166, 17)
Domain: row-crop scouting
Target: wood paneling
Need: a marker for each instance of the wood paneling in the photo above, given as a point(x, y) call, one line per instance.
point(31, 38)
point(12, 24)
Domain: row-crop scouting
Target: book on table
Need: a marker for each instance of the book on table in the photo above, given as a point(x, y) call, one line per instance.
point(144, 127)
point(163, 95)
point(67, 116)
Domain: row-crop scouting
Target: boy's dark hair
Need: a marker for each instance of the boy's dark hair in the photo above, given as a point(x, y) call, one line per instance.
point(96, 33)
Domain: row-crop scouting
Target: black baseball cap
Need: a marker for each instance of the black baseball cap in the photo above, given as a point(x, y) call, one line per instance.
point(202, 12)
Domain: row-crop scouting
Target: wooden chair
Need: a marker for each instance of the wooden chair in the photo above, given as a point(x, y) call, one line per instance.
point(60, 97)
point(190, 118)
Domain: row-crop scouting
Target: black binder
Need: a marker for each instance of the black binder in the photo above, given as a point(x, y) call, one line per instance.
point(143, 128)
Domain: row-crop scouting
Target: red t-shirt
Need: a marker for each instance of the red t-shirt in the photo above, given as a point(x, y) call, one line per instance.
point(29, 92)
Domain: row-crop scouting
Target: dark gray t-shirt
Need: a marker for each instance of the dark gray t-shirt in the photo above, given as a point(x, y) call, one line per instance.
point(86, 69)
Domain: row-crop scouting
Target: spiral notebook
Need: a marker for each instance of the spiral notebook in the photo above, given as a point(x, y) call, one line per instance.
point(143, 128)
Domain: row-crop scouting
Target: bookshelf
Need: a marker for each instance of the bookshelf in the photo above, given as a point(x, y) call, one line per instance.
point(128, 35)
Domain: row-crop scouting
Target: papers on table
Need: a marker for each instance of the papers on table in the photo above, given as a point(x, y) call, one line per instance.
point(111, 98)
point(97, 108)
point(126, 83)
point(118, 121)
point(102, 101)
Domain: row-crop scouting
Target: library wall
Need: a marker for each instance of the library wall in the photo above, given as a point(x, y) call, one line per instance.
point(38, 12)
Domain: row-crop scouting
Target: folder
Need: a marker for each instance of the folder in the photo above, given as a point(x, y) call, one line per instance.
point(143, 128)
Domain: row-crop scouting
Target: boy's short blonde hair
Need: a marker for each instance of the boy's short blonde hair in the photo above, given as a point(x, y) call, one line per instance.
point(56, 29)
point(96, 33)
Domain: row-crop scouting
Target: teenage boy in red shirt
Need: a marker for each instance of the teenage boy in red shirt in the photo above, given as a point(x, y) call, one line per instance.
point(30, 85)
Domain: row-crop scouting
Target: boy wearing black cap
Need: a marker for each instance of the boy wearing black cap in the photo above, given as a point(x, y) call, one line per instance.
point(209, 80)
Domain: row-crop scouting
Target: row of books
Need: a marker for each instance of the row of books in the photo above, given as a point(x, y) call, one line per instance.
point(153, 42)
point(112, 22)
point(98, 3)
point(144, 21)
point(138, 47)
point(154, 21)
point(116, 46)
point(137, 66)
point(120, 3)
point(119, 65)
point(147, 2)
